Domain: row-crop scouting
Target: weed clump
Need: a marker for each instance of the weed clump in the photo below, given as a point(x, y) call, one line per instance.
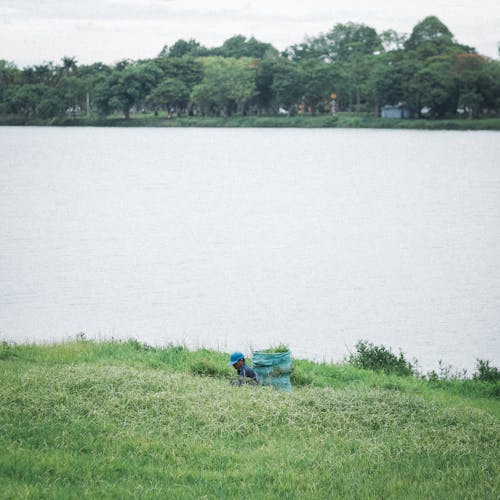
point(379, 358)
point(6, 351)
point(485, 372)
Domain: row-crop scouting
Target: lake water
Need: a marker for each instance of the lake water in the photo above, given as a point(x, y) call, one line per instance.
point(243, 238)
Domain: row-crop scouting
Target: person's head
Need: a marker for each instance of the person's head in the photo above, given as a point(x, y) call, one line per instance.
point(239, 364)
point(236, 360)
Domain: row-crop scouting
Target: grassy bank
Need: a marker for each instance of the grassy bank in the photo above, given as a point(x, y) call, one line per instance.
point(123, 420)
point(342, 120)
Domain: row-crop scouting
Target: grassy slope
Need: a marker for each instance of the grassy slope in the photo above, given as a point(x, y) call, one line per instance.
point(120, 420)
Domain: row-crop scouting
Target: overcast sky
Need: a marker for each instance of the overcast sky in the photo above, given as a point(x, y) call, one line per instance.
point(36, 31)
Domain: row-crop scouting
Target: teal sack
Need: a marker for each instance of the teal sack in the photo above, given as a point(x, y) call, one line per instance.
point(273, 368)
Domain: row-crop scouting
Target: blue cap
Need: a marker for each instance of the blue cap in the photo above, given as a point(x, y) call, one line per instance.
point(235, 357)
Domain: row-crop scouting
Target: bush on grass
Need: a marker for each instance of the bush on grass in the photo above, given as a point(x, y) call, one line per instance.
point(6, 351)
point(485, 372)
point(380, 358)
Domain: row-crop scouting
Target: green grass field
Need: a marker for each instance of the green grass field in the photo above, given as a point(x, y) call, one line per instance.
point(122, 420)
point(341, 120)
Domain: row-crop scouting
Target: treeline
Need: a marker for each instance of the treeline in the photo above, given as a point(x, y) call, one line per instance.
point(350, 68)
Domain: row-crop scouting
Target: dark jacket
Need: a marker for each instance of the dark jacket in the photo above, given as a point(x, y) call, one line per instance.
point(245, 371)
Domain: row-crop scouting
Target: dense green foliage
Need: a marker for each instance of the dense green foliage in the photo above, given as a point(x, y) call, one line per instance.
point(486, 372)
point(125, 420)
point(373, 357)
point(426, 74)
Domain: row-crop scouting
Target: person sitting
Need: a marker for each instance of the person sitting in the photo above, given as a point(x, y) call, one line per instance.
point(245, 373)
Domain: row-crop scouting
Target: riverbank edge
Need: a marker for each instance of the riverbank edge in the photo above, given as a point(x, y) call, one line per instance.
point(340, 121)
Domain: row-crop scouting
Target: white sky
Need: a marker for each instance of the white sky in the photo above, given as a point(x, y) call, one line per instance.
point(36, 31)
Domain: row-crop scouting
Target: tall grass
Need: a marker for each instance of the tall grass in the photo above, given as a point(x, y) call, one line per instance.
point(125, 420)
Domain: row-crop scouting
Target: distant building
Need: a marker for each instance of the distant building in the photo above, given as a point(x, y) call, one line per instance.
point(395, 111)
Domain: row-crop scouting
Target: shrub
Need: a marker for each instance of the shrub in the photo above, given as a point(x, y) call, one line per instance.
point(445, 372)
point(6, 351)
point(485, 372)
point(380, 358)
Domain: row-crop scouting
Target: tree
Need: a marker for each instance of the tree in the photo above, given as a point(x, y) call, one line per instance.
point(341, 43)
point(227, 85)
point(288, 85)
point(50, 105)
point(126, 87)
point(365, 69)
point(91, 76)
point(72, 95)
point(187, 69)
point(238, 46)
point(390, 77)
point(430, 37)
point(351, 39)
point(319, 80)
point(46, 73)
point(69, 66)
point(350, 48)
point(45, 91)
point(392, 40)
point(170, 93)
point(433, 87)
point(25, 99)
point(358, 69)
point(429, 30)
point(183, 48)
point(490, 90)
point(264, 77)
point(9, 77)
point(102, 89)
point(9, 74)
point(478, 83)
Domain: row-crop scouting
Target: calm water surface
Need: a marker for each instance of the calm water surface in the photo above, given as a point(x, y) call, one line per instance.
point(241, 238)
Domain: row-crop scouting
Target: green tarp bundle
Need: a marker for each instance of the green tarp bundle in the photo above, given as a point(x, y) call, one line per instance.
point(273, 368)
